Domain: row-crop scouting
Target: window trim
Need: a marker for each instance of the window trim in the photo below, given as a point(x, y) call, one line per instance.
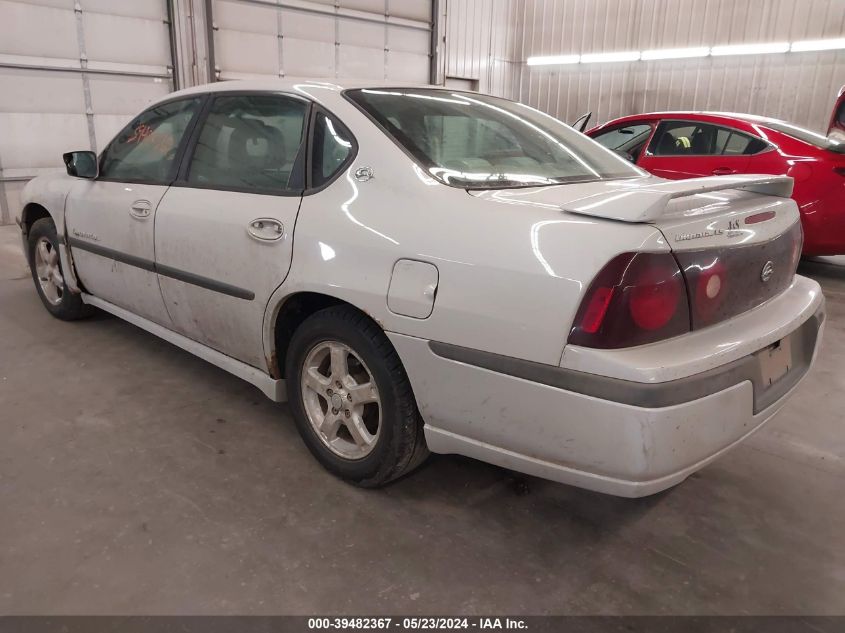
point(660, 122)
point(182, 173)
point(309, 160)
point(180, 150)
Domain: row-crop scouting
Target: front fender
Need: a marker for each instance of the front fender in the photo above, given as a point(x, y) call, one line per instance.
point(49, 194)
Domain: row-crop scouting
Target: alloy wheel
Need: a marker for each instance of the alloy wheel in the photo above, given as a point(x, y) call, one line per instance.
point(48, 271)
point(341, 399)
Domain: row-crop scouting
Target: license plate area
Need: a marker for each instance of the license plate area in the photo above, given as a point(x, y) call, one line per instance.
point(775, 361)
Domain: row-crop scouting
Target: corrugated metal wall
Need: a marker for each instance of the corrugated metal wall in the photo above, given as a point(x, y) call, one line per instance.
point(368, 39)
point(799, 87)
point(482, 43)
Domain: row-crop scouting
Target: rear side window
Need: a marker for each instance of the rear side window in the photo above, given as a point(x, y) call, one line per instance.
point(250, 143)
point(731, 142)
point(146, 149)
point(691, 138)
point(332, 146)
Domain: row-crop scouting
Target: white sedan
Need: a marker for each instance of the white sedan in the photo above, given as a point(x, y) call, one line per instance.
point(419, 269)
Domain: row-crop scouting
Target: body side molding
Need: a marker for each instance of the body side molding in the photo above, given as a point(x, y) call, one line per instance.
point(166, 271)
point(652, 395)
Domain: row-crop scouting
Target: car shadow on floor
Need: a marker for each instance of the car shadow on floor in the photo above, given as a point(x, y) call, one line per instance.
point(449, 484)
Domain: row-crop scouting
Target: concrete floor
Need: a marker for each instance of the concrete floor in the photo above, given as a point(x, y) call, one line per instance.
point(137, 479)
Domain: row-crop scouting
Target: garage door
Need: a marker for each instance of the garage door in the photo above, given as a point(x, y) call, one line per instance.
point(367, 39)
point(48, 105)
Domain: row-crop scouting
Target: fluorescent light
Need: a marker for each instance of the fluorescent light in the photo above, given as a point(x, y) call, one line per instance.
point(818, 45)
point(553, 60)
point(676, 53)
point(750, 49)
point(686, 53)
point(594, 58)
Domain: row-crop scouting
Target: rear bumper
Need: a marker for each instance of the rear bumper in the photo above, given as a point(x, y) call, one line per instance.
point(614, 436)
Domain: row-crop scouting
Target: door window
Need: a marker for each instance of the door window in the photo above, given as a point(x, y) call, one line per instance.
point(690, 138)
point(250, 143)
point(146, 149)
point(684, 138)
point(331, 148)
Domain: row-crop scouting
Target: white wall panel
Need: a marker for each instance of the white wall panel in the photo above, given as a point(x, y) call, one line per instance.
point(799, 87)
point(106, 38)
point(482, 43)
point(33, 29)
point(370, 39)
point(72, 72)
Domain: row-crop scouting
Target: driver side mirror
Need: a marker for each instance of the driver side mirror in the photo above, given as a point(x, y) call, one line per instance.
point(81, 164)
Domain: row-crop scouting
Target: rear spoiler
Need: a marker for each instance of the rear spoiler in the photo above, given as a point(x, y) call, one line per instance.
point(638, 202)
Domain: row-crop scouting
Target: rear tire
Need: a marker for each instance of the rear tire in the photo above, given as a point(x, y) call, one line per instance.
point(351, 398)
point(46, 267)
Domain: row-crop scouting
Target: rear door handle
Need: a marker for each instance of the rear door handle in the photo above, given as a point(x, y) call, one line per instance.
point(723, 171)
point(140, 209)
point(266, 229)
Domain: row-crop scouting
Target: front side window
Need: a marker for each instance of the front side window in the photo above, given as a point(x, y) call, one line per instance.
point(627, 140)
point(625, 137)
point(332, 146)
point(145, 151)
point(251, 143)
point(477, 141)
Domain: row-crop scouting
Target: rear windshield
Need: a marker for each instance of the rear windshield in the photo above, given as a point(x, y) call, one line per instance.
point(477, 141)
point(808, 136)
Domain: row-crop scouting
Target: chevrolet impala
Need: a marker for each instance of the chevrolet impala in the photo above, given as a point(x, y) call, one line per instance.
point(420, 269)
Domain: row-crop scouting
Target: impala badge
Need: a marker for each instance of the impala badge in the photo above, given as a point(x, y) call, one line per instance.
point(767, 272)
point(86, 235)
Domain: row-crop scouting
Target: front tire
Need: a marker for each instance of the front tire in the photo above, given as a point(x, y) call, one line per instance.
point(46, 267)
point(351, 399)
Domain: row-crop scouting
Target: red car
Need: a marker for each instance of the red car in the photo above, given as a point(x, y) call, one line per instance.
point(680, 145)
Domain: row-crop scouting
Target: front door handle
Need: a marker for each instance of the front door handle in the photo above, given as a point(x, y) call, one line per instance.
point(723, 171)
point(140, 209)
point(266, 229)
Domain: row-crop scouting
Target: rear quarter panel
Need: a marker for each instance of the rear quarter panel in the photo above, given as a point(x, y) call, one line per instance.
point(511, 275)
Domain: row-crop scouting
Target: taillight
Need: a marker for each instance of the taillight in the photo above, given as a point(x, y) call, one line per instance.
point(724, 282)
point(637, 298)
point(711, 288)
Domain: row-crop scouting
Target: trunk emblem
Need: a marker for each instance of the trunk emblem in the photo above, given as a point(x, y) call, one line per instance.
point(767, 272)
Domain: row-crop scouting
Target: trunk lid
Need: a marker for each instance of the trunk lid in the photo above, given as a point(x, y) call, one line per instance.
point(692, 214)
point(737, 239)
